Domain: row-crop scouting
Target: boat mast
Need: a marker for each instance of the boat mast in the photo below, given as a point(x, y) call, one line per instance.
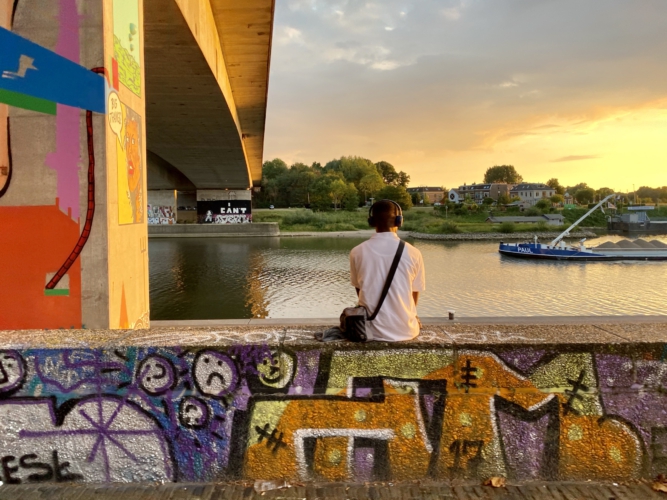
point(567, 231)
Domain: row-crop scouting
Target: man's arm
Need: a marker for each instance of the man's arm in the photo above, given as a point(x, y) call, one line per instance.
point(415, 297)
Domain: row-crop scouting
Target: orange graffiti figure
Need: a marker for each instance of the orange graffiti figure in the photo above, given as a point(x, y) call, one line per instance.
point(134, 169)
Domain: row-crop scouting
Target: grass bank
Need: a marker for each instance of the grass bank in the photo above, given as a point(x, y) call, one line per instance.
point(419, 220)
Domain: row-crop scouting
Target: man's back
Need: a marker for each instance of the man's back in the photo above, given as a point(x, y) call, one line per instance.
point(369, 266)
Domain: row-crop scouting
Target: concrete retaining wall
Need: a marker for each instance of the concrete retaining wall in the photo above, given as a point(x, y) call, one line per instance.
point(468, 401)
point(214, 230)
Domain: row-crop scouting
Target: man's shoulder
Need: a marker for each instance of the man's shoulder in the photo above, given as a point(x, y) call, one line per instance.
point(412, 250)
point(359, 247)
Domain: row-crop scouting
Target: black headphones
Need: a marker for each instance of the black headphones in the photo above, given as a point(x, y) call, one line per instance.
point(398, 221)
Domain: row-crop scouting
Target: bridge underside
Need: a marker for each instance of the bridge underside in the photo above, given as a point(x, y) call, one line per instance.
point(206, 84)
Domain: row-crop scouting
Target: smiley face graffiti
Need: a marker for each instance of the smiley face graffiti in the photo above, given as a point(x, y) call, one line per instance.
point(193, 413)
point(214, 374)
point(12, 371)
point(274, 373)
point(156, 375)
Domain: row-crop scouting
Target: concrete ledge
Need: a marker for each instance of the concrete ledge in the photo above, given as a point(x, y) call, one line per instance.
point(549, 402)
point(496, 320)
point(213, 230)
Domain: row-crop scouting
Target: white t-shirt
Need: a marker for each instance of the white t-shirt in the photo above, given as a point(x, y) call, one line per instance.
point(369, 266)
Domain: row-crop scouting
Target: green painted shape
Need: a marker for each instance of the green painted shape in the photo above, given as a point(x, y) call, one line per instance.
point(27, 102)
point(56, 291)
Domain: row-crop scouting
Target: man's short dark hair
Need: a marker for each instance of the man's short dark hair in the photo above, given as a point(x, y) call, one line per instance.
point(384, 213)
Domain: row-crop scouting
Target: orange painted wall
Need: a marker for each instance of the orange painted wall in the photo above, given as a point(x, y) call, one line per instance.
point(35, 241)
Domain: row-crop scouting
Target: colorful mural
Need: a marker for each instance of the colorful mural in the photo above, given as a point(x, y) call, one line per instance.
point(48, 167)
point(126, 126)
point(126, 45)
point(43, 241)
point(257, 412)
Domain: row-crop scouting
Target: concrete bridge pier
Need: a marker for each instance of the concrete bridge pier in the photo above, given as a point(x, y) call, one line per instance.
point(73, 237)
point(108, 109)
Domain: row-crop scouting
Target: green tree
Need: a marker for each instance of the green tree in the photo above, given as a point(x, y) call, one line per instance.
point(557, 199)
point(603, 193)
point(352, 168)
point(390, 176)
point(398, 194)
point(387, 172)
point(270, 189)
point(370, 184)
point(572, 190)
point(274, 168)
point(543, 204)
point(487, 201)
point(504, 199)
point(403, 179)
point(502, 173)
point(337, 190)
point(322, 191)
point(555, 185)
point(585, 195)
point(350, 198)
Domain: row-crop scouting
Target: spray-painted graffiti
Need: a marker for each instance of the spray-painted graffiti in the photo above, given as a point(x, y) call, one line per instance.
point(232, 219)
point(312, 413)
point(126, 45)
point(126, 126)
point(161, 215)
point(224, 211)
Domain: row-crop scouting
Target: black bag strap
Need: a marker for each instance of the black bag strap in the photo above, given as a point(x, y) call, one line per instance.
point(390, 278)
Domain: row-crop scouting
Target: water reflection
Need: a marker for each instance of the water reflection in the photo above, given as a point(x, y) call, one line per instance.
point(193, 278)
point(256, 291)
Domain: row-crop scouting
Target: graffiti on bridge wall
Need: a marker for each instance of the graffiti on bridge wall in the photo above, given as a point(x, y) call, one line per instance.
point(224, 211)
point(161, 215)
point(255, 412)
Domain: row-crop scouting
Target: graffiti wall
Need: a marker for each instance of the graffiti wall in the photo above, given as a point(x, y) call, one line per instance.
point(72, 179)
point(224, 212)
point(161, 215)
point(307, 413)
point(47, 150)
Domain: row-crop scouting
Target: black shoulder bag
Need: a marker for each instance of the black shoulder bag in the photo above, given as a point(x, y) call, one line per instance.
point(353, 320)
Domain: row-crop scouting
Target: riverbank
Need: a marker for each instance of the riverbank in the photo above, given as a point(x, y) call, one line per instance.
point(417, 221)
point(367, 233)
point(543, 236)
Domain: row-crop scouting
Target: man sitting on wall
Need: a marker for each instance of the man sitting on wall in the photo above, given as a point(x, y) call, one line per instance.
point(369, 266)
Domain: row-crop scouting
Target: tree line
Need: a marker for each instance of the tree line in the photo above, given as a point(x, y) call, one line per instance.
point(582, 193)
point(344, 183)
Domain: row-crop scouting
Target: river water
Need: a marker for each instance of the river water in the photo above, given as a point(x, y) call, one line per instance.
point(303, 277)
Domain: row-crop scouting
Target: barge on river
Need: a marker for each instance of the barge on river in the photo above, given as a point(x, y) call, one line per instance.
point(559, 250)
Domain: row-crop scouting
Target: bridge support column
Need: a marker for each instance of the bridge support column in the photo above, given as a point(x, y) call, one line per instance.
point(224, 206)
point(73, 235)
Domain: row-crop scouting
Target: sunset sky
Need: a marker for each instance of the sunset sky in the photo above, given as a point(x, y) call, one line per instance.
point(444, 89)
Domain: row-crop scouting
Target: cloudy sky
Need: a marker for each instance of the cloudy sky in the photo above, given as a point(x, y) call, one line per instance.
point(443, 89)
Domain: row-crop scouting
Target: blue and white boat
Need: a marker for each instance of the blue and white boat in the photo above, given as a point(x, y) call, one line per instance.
point(609, 251)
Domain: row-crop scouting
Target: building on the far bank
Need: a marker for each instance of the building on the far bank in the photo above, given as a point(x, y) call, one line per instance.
point(532, 192)
point(429, 195)
point(477, 192)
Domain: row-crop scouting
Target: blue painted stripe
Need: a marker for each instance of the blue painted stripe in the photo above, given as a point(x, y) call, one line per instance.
point(30, 69)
